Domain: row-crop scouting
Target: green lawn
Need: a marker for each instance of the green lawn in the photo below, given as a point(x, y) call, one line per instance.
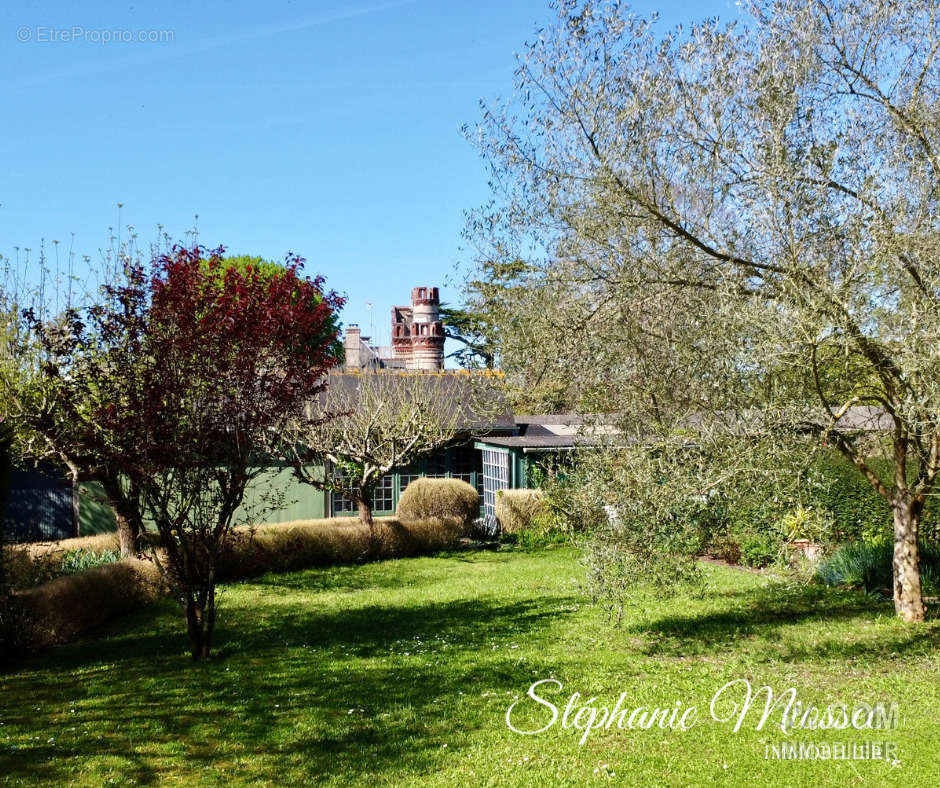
point(401, 673)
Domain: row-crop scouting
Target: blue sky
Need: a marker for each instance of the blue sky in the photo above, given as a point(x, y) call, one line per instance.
point(328, 129)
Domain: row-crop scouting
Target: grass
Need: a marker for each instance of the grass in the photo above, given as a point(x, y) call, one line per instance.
point(400, 673)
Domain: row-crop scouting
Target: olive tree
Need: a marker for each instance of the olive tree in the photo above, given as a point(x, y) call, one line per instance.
point(751, 208)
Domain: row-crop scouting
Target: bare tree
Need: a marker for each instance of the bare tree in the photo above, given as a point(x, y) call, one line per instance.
point(367, 424)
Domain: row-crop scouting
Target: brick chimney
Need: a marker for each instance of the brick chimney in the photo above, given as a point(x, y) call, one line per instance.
point(353, 347)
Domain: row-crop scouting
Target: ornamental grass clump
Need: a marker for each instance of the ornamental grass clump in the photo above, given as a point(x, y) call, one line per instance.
point(440, 499)
point(60, 610)
point(868, 566)
point(521, 510)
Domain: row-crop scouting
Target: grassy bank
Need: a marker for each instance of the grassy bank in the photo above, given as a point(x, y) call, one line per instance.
point(401, 672)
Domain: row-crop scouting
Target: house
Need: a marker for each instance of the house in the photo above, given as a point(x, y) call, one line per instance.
point(480, 455)
point(490, 456)
point(417, 338)
point(500, 454)
point(460, 394)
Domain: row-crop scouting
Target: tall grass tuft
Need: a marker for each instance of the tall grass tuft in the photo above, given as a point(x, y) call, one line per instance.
point(60, 610)
point(521, 510)
point(868, 566)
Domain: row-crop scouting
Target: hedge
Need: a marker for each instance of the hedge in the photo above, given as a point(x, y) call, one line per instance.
point(60, 610)
point(64, 608)
point(289, 546)
point(858, 511)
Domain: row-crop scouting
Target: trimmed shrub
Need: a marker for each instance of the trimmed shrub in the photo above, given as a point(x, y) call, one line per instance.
point(287, 547)
point(62, 609)
point(440, 499)
point(520, 510)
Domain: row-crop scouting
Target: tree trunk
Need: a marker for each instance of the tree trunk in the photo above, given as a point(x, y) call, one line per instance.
point(908, 599)
point(128, 533)
point(128, 520)
point(365, 517)
point(365, 513)
point(200, 623)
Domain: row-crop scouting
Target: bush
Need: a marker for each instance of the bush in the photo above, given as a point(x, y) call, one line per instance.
point(869, 567)
point(807, 523)
point(521, 510)
point(760, 549)
point(440, 499)
point(721, 544)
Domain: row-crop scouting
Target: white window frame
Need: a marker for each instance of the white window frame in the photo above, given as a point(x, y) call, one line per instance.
point(496, 476)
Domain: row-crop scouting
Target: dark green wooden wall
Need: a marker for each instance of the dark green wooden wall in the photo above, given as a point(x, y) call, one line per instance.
point(276, 495)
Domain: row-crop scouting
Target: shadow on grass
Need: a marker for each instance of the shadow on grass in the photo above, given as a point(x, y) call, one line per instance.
point(766, 616)
point(351, 578)
point(390, 573)
point(278, 695)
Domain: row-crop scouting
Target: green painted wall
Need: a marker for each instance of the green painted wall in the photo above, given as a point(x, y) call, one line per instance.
point(283, 497)
point(520, 469)
point(94, 512)
point(278, 489)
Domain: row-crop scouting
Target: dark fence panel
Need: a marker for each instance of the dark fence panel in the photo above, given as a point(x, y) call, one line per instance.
point(39, 507)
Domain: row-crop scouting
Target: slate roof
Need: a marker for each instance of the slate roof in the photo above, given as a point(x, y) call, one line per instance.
point(456, 388)
point(548, 432)
point(567, 431)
